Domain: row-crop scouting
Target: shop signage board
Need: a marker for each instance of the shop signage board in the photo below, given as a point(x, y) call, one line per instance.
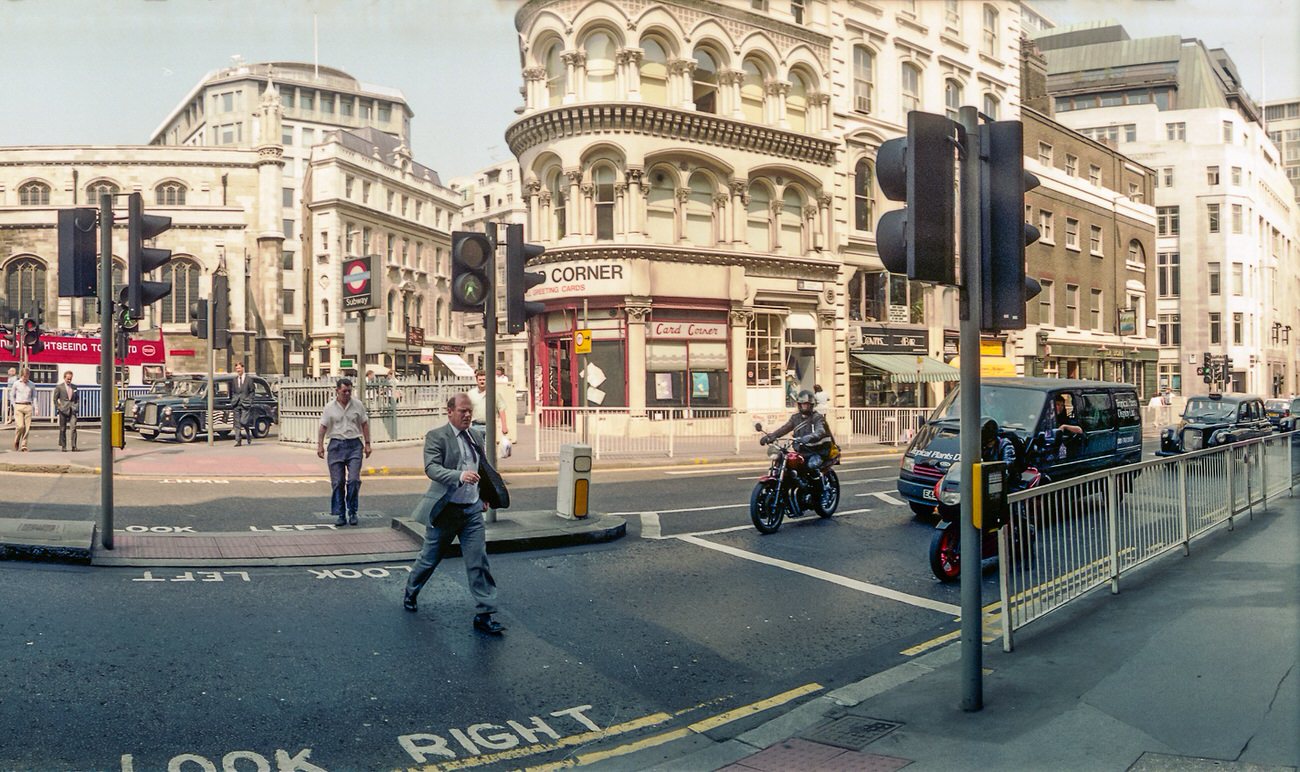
point(899, 314)
point(361, 288)
point(1128, 321)
point(583, 278)
point(878, 340)
point(687, 330)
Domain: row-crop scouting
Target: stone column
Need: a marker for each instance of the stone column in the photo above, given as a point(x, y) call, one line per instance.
point(729, 82)
point(811, 226)
point(682, 71)
point(573, 213)
point(819, 108)
point(679, 216)
point(637, 309)
point(534, 88)
point(621, 226)
point(774, 227)
point(827, 220)
point(545, 218)
point(739, 204)
point(721, 227)
point(589, 210)
point(738, 320)
point(266, 316)
point(629, 64)
point(532, 194)
point(828, 360)
point(775, 108)
point(635, 200)
point(575, 63)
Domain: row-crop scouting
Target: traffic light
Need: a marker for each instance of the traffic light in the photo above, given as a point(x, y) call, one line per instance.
point(471, 263)
point(9, 339)
point(919, 169)
point(1004, 234)
point(199, 319)
point(1207, 360)
point(519, 281)
point(32, 335)
point(141, 227)
point(77, 255)
point(220, 311)
point(123, 318)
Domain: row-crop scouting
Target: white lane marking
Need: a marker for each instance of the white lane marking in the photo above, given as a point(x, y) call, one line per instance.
point(714, 470)
point(677, 511)
point(885, 497)
point(650, 525)
point(892, 478)
point(826, 576)
point(843, 469)
point(730, 529)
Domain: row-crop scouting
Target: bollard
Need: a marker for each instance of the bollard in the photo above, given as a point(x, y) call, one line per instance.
point(573, 483)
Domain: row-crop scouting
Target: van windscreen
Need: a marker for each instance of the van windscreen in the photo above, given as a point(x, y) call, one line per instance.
point(1012, 408)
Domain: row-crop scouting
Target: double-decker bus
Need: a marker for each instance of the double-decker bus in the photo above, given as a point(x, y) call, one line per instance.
point(145, 363)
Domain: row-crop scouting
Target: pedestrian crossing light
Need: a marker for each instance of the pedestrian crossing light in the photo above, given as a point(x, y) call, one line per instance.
point(220, 311)
point(519, 281)
point(471, 264)
point(140, 260)
point(32, 335)
point(199, 319)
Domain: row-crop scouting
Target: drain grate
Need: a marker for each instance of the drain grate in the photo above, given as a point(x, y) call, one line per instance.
point(851, 732)
point(46, 527)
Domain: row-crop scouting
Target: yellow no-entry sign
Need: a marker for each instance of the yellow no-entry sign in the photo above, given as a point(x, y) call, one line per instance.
point(582, 341)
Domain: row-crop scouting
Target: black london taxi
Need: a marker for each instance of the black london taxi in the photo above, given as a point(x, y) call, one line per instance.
point(183, 412)
point(1277, 411)
point(1025, 410)
point(1216, 419)
point(132, 407)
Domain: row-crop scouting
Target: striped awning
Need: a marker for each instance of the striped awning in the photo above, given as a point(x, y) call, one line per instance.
point(910, 368)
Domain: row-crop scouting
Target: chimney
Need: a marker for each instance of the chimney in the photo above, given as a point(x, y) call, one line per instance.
point(1033, 78)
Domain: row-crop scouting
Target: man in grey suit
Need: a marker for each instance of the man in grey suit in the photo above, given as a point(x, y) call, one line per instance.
point(451, 508)
point(241, 402)
point(67, 403)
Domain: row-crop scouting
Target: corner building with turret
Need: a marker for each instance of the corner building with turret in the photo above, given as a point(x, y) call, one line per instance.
point(702, 176)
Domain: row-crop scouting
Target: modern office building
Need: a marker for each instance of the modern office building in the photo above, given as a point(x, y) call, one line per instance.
point(1282, 120)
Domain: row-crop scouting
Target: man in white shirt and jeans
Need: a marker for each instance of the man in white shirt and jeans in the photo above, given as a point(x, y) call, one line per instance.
point(345, 423)
point(478, 398)
point(21, 395)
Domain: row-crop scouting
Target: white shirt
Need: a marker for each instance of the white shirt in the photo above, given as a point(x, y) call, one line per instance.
point(20, 391)
point(479, 400)
point(344, 423)
point(467, 493)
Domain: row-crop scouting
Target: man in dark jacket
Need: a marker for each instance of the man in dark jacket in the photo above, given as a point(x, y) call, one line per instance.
point(810, 431)
point(241, 402)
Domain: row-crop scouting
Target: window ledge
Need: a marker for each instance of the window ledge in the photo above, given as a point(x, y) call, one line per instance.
point(1048, 242)
point(1097, 254)
point(1135, 266)
point(1073, 249)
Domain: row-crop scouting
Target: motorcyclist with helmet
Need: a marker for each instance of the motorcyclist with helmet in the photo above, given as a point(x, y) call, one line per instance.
point(811, 435)
point(995, 447)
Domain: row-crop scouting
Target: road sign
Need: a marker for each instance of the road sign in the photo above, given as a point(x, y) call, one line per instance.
point(361, 288)
point(582, 341)
point(415, 336)
point(345, 363)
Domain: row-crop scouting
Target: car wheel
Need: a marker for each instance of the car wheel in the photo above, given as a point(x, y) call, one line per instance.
point(262, 427)
point(187, 430)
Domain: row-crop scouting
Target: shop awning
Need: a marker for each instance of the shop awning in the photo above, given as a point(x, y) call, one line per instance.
point(992, 367)
point(910, 368)
point(458, 366)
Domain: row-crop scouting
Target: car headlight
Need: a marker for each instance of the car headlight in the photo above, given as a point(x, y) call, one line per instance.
point(950, 498)
point(908, 463)
point(166, 411)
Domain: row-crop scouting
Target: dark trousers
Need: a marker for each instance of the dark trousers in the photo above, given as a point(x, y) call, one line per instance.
point(465, 521)
point(243, 425)
point(344, 458)
point(67, 421)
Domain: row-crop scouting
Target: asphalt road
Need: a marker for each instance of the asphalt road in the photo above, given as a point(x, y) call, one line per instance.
point(692, 616)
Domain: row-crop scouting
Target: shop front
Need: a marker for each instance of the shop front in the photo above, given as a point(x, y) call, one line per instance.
point(889, 364)
point(1114, 362)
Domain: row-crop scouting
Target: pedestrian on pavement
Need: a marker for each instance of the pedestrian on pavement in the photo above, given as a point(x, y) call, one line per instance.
point(478, 398)
point(451, 508)
point(822, 400)
point(347, 427)
point(6, 405)
point(241, 402)
point(21, 394)
point(68, 404)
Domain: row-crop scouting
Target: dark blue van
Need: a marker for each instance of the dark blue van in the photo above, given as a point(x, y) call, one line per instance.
point(1108, 413)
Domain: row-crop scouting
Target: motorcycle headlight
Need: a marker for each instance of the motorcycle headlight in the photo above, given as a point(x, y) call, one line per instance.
point(772, 450)
point(908, 463)
point(950, 498)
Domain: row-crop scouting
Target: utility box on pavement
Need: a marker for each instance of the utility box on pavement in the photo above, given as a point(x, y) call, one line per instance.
point(573, 482)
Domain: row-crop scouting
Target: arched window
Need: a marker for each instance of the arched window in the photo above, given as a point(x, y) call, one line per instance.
point(864, 196)
point(34, 194)
point(989, 34)
point(603, 179)
point(169, 194)
point(864, 78)
point(24, 285)
point(600, 50)
point(758, 218)
point(90, 306)
point(95, 189)
point(419, 311)
point(394, 321)
point(699, 211)
point(183, 274)
point(704, 90)
point(437, 318)
point(752, 86)
point(1136, 254)
point(792, 222)
point(555, 182)
point(910, 87)
point(557, 74)
point(951, 98)
point(654, 72)
point(325, 312)
point(659, 207)
point(991, 105)
point(796, 103)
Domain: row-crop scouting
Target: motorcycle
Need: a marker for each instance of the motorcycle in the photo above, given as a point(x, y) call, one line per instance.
point(792, 487)
point(945, 544)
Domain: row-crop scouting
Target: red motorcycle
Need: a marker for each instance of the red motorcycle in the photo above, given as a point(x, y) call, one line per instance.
point(792, 487)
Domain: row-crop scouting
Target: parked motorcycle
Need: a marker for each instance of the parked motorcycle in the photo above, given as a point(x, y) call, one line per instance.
point(945, 544)
point(792, 487)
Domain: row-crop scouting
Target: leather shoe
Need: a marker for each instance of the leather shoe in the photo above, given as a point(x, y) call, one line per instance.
point(484, 623)
point(352, 520)
point(341, 521)
point(408, 602)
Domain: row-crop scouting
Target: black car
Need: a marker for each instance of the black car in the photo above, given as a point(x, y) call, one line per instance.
point(1217, 419)
point(183, 412)
point(1277, 411)
point(132, 407)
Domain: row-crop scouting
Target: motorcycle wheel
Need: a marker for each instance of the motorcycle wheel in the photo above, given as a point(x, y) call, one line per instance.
point(945, 553)
point(765, 508)
point(829, 500)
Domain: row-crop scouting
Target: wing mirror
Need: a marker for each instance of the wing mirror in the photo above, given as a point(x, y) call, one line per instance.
point(758, 426)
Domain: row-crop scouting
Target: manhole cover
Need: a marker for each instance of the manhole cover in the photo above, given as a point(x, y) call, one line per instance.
point(38, 527)
point(852, 732)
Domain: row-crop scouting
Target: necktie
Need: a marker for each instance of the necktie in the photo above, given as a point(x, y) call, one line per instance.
point(473, 451)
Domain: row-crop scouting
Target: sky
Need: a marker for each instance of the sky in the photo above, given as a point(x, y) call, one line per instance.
point(109, 71)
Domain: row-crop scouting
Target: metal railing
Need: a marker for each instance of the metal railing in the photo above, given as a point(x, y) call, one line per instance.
point(399, 411)
point(1066, 539)
point(91, 406)
point(886, 425)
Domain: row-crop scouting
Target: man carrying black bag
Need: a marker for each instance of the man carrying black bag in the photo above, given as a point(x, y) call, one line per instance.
point(453, 507)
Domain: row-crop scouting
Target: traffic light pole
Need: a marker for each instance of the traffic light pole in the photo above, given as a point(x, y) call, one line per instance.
point(490, 355)
point(212, 366)
point(972, 633)
point(107, 373)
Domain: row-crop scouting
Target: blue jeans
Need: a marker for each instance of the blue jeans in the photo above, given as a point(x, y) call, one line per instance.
point(344, 458)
